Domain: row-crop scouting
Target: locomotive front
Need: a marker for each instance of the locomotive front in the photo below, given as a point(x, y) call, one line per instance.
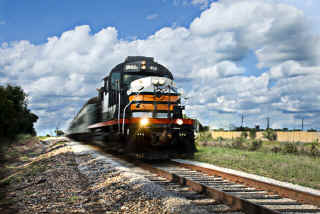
point(140, 104)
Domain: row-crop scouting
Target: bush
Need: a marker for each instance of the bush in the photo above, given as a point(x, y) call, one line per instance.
point(290, 148)
point(204, 137)
point(314, 151)
point(59, 132)
point(244, 134)
point(252, 134)
point(238, 143)
point(255, 145)
point(270, 134)
point(276, 149)
point(220, 139)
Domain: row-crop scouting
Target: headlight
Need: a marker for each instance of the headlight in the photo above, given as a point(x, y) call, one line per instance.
point(144, 121)
point(155, 81)
point(179, 122)
point(162, 81)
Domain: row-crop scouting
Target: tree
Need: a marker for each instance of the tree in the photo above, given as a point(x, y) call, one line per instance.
point(59, 132)
point(15, 117)
point(270, 134)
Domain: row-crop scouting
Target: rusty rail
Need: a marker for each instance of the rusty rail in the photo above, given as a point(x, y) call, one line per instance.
point(236, 203)
point(304, 197)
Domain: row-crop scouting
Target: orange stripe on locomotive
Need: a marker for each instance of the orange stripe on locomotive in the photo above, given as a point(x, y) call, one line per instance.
point(149, 97)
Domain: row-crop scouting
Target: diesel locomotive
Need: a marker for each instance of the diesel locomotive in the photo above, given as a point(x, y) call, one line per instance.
point(137, 111)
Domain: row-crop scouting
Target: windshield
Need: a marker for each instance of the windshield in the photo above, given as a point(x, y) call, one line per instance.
point(128, 78)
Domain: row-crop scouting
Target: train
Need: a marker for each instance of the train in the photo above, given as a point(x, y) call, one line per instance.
point(137, 112)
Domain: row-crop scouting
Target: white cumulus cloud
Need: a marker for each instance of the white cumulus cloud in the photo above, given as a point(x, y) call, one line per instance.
point(61, 74)
point(203, 3)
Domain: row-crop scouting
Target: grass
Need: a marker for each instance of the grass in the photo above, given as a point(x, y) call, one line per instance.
point(33, 169)
point(23, 137)
point(24, 158)
point(245, 143)
point(302, 170)
point(18, 160)
point(43, 137)
point(74, 198)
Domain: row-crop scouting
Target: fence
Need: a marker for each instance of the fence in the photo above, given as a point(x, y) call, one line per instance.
point(293, 136)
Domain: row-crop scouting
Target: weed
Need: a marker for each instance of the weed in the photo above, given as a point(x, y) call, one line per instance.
point(14, 178)
point(253, 134)
point(42, 137)
point(314, 151)
point(255, 145)
point(276, 149)
point(204, 137)
point(74, 198)
point(238, 143)
point(244, 134)
point(23, 137)
point(6, 181)
point(290, 147)
point(303, 170)
point(270, 134)
point(24, 158)
point(11, 154)
point(220, 139)
point(29, 192)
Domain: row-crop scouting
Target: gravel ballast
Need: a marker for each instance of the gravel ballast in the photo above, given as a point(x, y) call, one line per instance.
point(61, 176)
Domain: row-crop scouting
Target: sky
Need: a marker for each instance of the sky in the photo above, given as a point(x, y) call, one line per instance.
point(253, 58)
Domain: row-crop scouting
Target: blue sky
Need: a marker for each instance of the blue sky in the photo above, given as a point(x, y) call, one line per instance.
point(258, 58)
point(36, 20)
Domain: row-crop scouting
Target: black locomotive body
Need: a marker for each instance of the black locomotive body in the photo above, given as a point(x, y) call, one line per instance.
point(137, 111)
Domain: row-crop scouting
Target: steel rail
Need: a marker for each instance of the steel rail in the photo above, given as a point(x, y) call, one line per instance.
point(235, 203)
point(304, 197)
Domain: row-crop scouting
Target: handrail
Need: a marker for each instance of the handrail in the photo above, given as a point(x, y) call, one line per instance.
point(125, 108)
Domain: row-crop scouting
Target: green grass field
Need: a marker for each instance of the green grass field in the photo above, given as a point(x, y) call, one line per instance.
point(297, 169)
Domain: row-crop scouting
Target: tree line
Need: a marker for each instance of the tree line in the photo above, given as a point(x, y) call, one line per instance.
point(15, 117)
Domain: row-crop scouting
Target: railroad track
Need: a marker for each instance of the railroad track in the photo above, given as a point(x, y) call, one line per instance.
point(239, 193)
point(214, 189)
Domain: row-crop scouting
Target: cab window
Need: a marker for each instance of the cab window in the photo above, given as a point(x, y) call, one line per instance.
point(115, 80)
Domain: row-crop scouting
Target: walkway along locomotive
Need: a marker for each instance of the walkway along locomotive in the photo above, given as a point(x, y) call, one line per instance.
point(137, 111)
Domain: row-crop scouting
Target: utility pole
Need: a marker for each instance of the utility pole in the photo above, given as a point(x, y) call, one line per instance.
point(302, 124)
point(268, 122)
point(242, 121)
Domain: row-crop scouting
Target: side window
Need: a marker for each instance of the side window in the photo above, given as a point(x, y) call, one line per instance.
point(106, 85)
point(113, 94)
point(115, 80)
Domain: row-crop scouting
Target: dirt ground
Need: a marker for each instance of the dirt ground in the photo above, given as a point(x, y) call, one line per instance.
point(43, 177)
